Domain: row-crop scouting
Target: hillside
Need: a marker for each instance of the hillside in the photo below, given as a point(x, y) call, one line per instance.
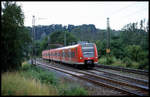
point(82, 32)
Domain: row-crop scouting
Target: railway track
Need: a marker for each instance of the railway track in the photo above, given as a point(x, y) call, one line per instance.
point(129, 70)
point(136, 71)
point(124, 87)
point(124, 78)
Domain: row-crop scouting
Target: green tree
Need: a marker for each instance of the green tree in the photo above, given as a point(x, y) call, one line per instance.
point(14, 36)
point(101, 48)
point(117, 47)
point(133, 52)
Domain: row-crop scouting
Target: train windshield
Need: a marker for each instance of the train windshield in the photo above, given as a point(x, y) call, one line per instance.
point(88, 49)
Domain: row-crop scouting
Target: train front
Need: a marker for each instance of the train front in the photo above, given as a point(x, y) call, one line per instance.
point(89, 53)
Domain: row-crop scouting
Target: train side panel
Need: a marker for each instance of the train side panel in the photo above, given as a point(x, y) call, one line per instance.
point(72, 55)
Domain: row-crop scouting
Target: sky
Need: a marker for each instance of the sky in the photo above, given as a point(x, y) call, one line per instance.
point(78, 13)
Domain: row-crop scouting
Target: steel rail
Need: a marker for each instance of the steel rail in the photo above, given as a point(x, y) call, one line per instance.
point(136, 71)
point(145, 82)
point(119, 82)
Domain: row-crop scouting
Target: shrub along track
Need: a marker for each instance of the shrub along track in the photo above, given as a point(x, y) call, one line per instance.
point(124, 87)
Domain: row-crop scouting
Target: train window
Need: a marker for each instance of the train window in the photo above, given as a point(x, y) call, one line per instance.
point(57, 54)
point(66, 54)
point(73, 54)
point(88, 50)
point(69, 54)
point(60, 54)
point(63, 53)
point(76, 51)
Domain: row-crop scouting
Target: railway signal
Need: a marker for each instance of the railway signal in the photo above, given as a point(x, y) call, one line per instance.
point(65, 39)
point(33, 36)
point(108, 37)
point(108, 41)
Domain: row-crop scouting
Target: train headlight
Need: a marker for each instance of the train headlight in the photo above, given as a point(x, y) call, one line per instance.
point(80, 57)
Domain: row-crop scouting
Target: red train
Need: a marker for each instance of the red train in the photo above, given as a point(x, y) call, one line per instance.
point(84, 54)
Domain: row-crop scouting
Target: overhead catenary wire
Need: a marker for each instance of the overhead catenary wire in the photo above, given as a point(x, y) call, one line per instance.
point(123, 9)
point(120, 10)
point(136, 12)
point(125, 16)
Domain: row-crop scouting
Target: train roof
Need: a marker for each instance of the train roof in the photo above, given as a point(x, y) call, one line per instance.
point(71, 46)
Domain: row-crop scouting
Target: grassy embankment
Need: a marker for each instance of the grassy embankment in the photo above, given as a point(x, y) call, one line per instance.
point(30, 80)
point(117, 62)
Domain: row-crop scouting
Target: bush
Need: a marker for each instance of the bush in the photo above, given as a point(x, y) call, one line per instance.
point(143, 64)
point(77, 91)
point(71, 90)
point(133, 52)
point(110, 60)
point(127, 61)
point(35, 72)
point(102, 60)
point(25, 66)
point(47, 77)
point(107, 60)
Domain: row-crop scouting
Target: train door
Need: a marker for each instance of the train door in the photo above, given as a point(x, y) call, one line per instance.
point(69, 55)
point(63, 55)
point(76, 54)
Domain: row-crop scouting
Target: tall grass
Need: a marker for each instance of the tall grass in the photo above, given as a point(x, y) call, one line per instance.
point(31, 80)
point(15, 84)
